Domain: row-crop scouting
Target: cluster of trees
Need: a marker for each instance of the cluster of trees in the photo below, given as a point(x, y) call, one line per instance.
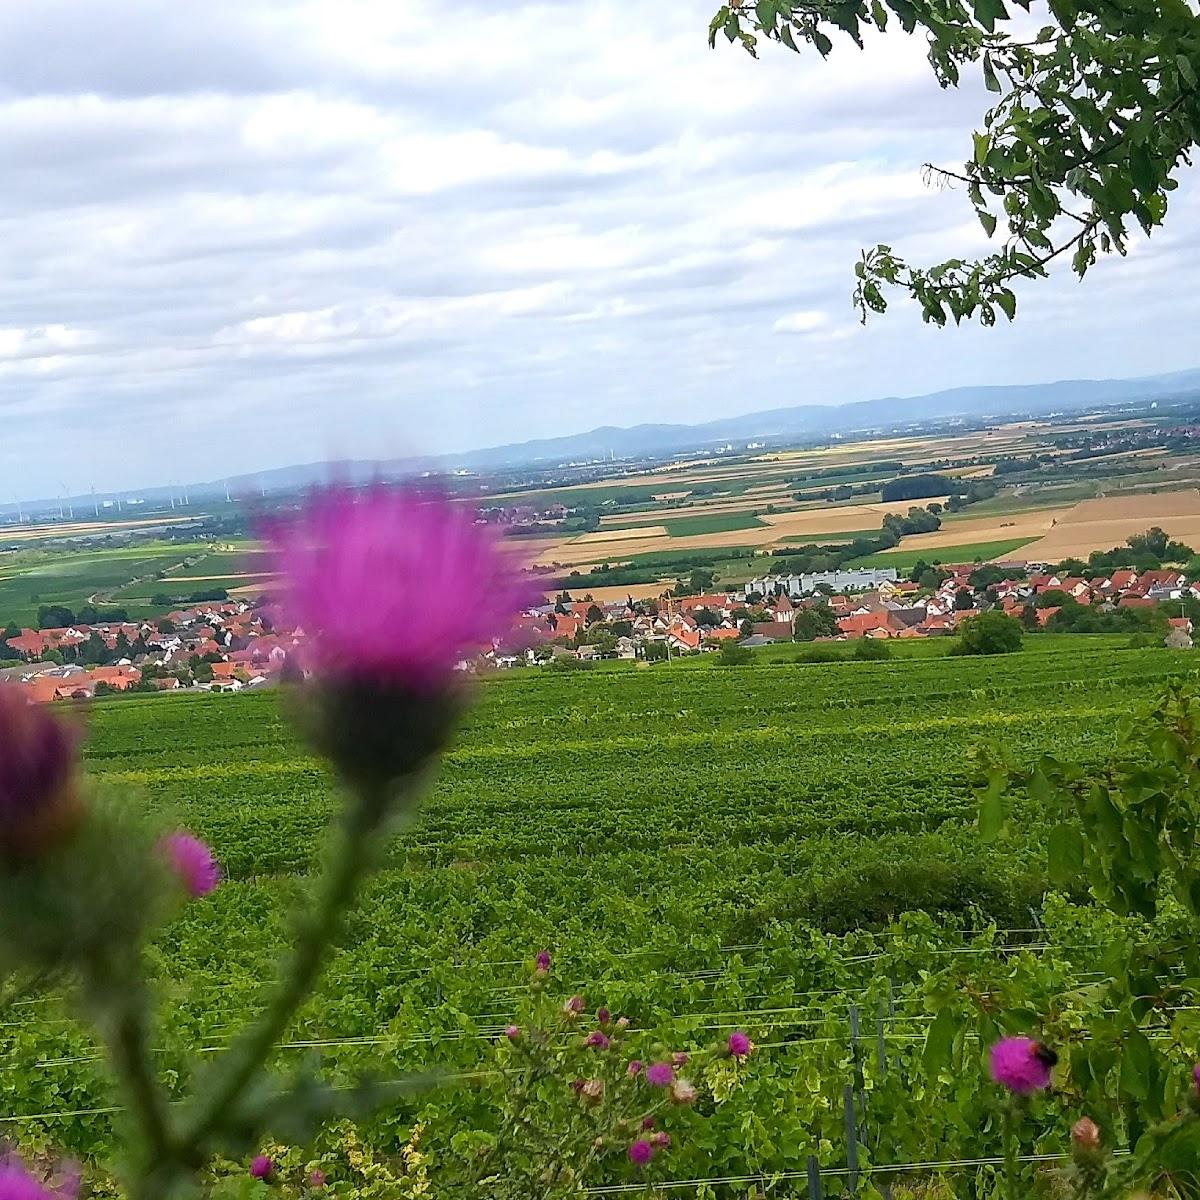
point(815, 622)
point(59, 616)
point(1142, 552)
point(205, 596)
point(918, 487)
point(813, 557)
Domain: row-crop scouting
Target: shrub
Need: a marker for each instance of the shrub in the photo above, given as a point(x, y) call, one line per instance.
point(989, 633)
point(872, 650)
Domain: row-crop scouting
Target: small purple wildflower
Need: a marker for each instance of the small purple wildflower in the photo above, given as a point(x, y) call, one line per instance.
point(634, 1068)
point(661, 1141)
point(193, 862)
point(316, 1180)
point(1021, 1064)
point(574, 1006)
point(542, 963)
point(739, 1044)
point(660, 1075)
point(679, 1059)
point(648, 1122)
point(641, 1152)
point(603, 1016)
point(597, 1041)
point(513, 1032)
point(1196, 1078)
point(262, 1167)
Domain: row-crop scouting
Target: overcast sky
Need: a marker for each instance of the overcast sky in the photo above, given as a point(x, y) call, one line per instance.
point(255, 232)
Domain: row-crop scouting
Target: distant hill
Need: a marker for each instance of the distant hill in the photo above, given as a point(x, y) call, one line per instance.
point(821, 420)
point(798, 422)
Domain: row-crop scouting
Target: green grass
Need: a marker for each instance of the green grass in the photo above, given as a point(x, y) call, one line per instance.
point(69, 579)
point(828, 539)
point(905, 560)
point(639, 822)
point(716, 523)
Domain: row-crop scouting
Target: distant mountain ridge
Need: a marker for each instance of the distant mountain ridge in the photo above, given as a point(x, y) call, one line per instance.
point(824, 420)
point(799, 421)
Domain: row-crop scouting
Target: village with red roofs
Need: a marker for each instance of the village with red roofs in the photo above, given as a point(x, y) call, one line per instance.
point(233, 645)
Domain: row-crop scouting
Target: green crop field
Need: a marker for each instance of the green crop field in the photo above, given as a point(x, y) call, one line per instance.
point(688, 840)
point(904, 560)
point(713, 523)
point(33, 578)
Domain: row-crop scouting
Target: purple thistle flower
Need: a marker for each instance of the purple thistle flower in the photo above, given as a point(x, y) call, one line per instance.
point(38, 762)
point(597, 1041)
point(1021, 1064)
point(513, 1033)
point(661, 1141)
point(316, 1180)
point(574, 1006)
point(543, 962)
point(603, 1016)
point(193, 863)
point(262, 1167)
point(679, 1059)
point(647, 1122)
point(641, 1152)
point(634, 1068)
point(660, 1075)
point(739, 1044)
point(394, 586)
point(1196, 1078)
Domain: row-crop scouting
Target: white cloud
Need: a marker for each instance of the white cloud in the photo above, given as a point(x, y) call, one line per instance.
point(805, 321)
point(351, 226)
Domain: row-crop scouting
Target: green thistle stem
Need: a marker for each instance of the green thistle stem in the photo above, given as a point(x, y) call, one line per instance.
point(247, 1056)
point(1011, 1191)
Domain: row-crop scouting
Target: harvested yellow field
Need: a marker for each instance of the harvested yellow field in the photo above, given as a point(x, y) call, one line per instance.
point(1031, 524)
point(636, 533)
point(1107, 521)
point(841, 518)
point(25, 533)
point(610, 595)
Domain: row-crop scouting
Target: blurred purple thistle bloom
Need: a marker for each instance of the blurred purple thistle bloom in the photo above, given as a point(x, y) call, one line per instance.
point(394, 586)
point(543, 962)
point(38, 763)
point(262, 1167)
point(16, 1183)
point(597, 1041)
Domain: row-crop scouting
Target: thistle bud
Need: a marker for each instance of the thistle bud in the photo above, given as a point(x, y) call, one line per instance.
point(1085, 1137)
point(40, 806)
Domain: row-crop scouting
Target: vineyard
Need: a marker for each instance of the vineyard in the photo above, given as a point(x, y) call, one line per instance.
point(701, 849)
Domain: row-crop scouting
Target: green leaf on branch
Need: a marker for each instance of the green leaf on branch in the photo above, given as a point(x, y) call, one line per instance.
point(939, 1041)
point(988, 221)
point(989, 74)
point(1064, 849)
